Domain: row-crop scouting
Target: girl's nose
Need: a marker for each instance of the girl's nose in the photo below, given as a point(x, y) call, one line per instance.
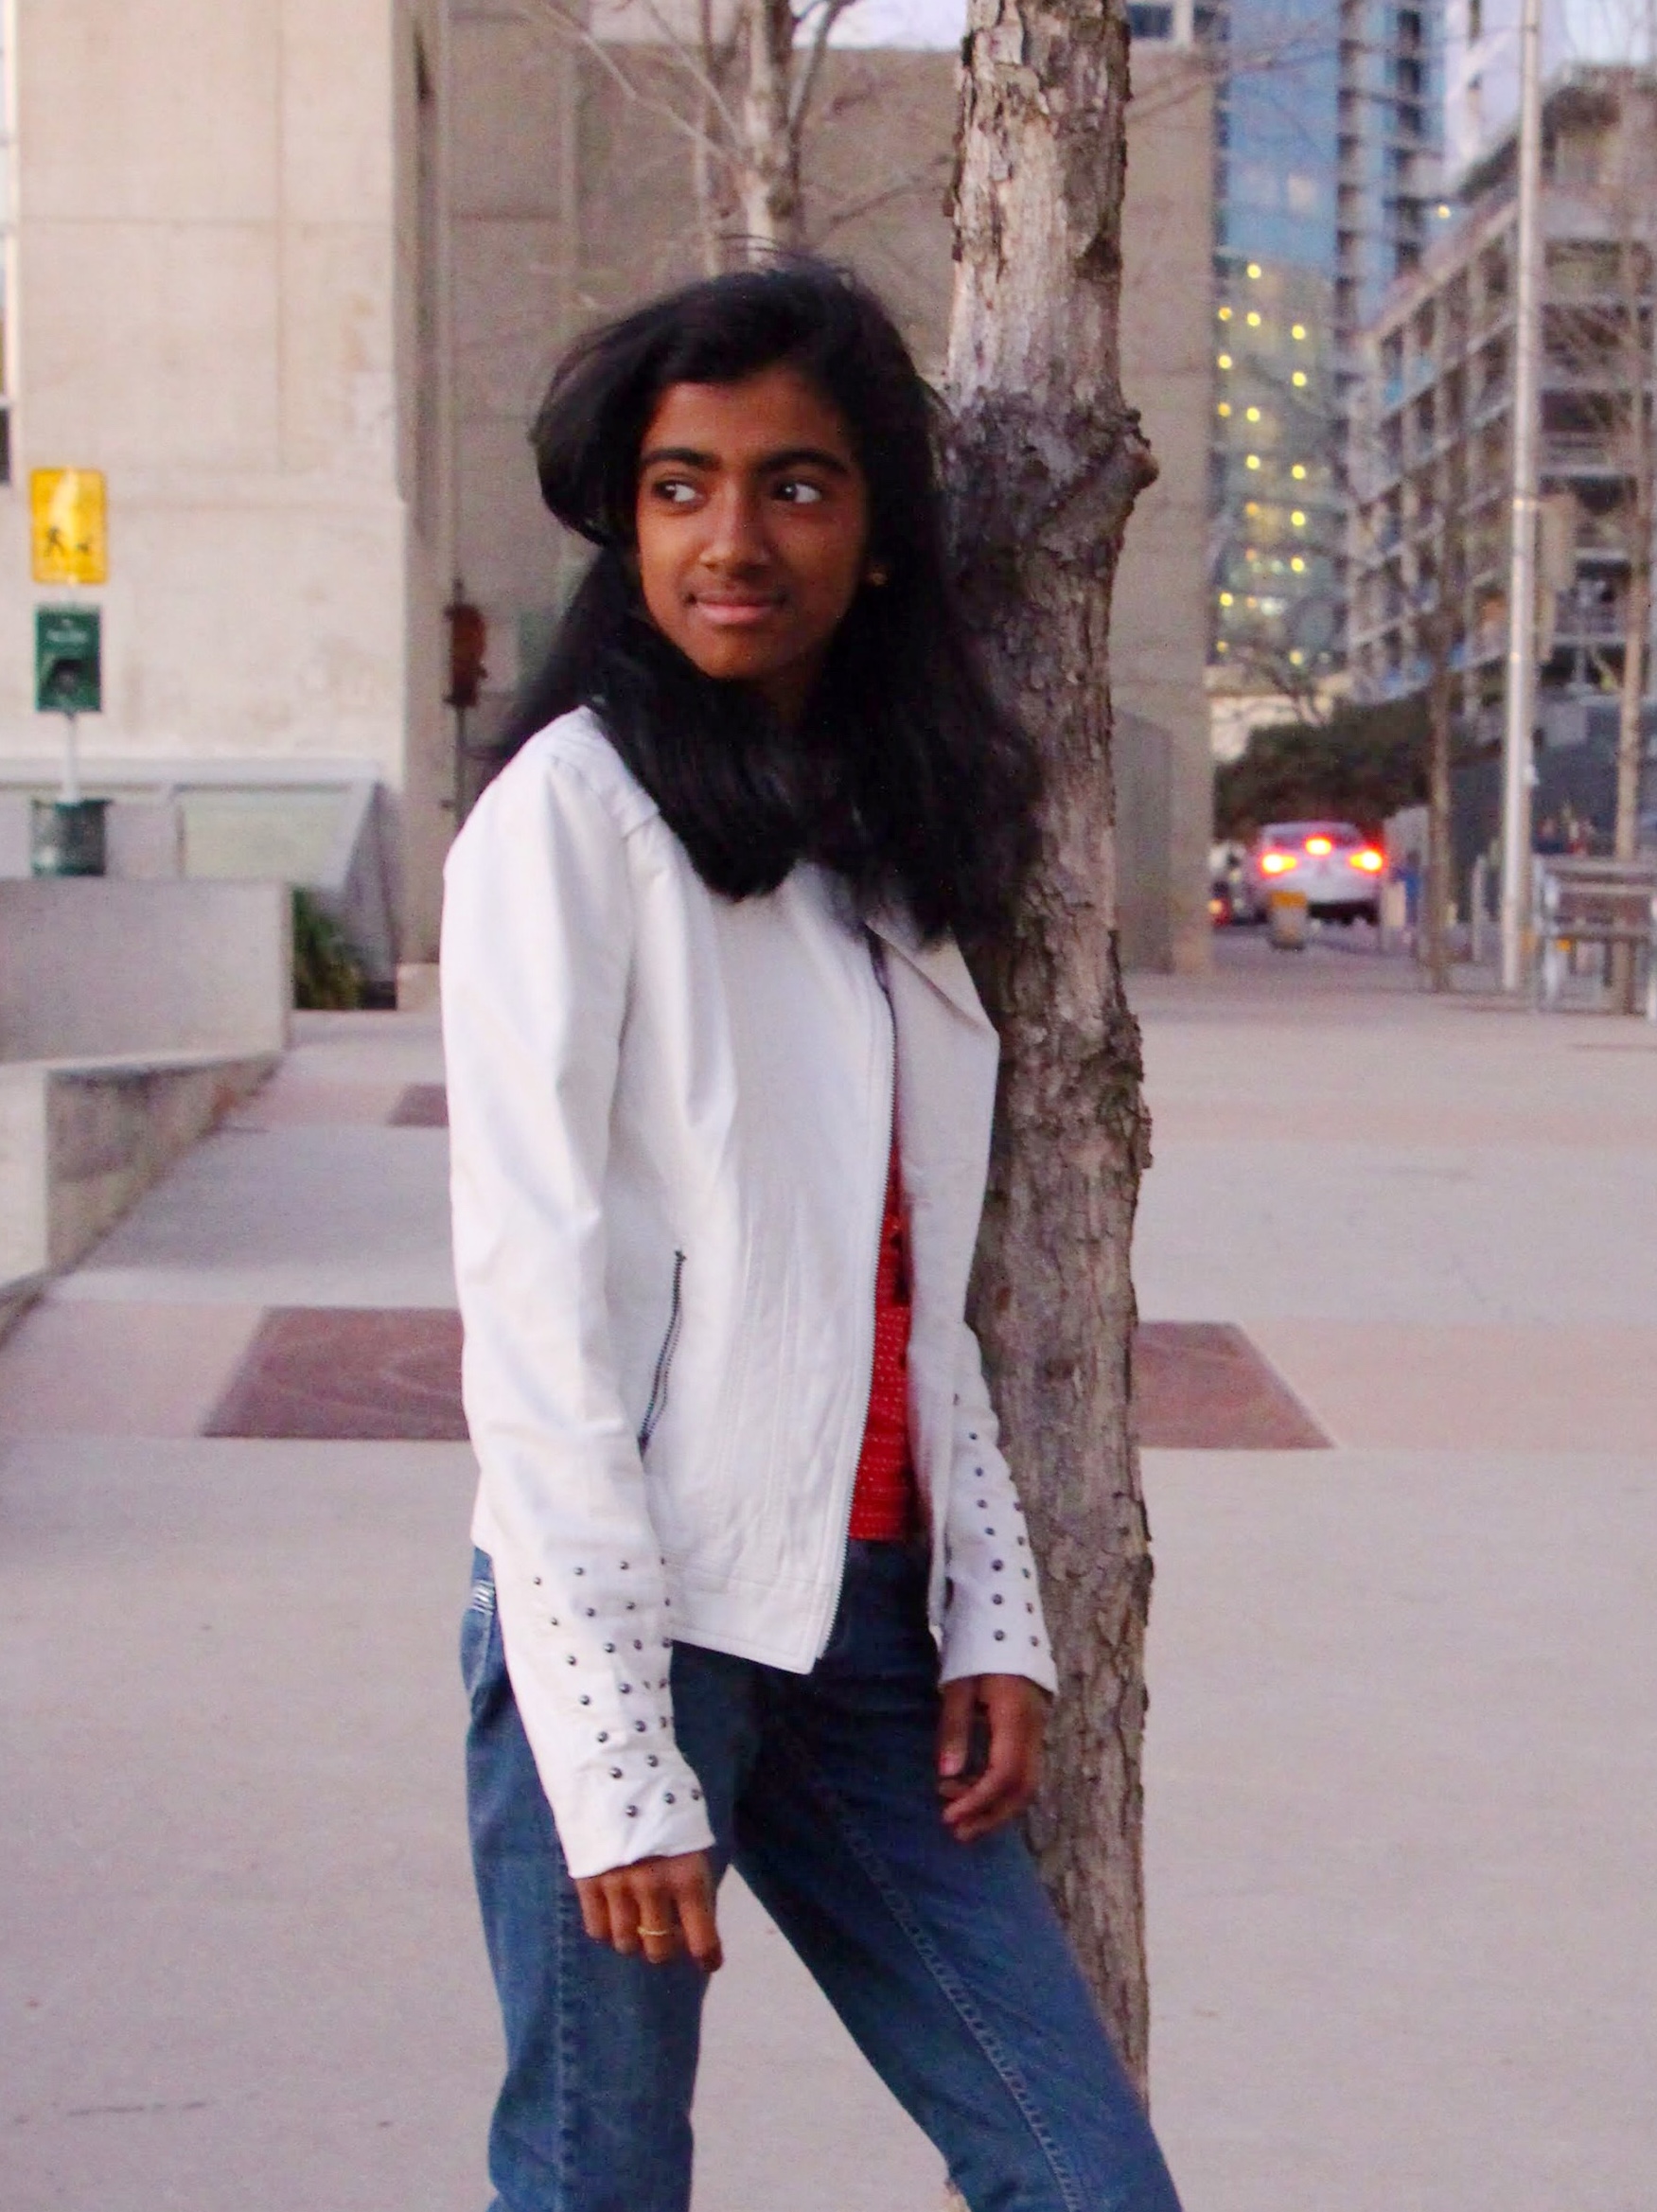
point(736, 535)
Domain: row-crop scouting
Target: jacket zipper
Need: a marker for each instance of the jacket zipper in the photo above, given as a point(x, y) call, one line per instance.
point(657, 1404)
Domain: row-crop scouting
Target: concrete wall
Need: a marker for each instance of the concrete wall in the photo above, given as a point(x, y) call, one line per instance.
point(572, 202)
point(217, 291)
point(1159, 620)
point(78, 1144)
point(103, 969)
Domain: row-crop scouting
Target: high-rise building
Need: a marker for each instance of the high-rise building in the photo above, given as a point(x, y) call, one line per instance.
point(1480, 62)
point(1326, 191)
point(1432, 423)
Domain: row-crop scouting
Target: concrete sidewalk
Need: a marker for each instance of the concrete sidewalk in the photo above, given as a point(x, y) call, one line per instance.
point(1401, 1780)
point(1403, 1783)
point(243, 1971)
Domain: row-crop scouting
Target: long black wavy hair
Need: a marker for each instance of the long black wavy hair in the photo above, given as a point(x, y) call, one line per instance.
point(906, 776)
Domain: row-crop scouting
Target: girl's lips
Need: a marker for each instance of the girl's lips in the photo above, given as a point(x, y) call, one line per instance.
point(735, 614)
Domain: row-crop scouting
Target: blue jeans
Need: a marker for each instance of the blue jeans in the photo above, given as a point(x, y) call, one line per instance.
point(943, 1960)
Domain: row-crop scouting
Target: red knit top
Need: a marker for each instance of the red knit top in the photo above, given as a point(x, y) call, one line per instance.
point(882, 1498)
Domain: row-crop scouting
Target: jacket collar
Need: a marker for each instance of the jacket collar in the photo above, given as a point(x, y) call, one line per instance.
point(940, 964)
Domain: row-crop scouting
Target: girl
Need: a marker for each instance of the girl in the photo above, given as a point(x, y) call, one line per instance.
point(752, 1585)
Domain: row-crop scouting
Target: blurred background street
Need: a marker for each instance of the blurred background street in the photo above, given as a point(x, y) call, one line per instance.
point(1402, 1777)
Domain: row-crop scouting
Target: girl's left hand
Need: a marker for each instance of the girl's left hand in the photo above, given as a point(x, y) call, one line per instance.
point(1011, 1715)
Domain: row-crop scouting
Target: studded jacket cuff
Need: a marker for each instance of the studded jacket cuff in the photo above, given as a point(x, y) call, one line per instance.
point(596, 1704)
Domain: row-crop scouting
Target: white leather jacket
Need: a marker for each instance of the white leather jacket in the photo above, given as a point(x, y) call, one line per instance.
point(670, 1119)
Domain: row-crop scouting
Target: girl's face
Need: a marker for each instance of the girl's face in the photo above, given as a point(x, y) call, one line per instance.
point(753, 530)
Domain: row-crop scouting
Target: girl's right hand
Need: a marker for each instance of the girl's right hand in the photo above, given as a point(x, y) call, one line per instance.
point(658, 1906)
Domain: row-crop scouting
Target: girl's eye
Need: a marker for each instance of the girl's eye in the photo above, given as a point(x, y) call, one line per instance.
point(674, 492)
point(798, 493)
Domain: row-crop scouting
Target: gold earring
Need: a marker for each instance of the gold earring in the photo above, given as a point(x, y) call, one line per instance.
point(878, 576)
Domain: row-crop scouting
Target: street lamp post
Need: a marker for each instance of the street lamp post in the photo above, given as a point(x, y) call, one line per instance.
point(1516, 739)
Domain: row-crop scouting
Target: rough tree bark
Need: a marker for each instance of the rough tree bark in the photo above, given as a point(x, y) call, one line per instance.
point(1045, 466)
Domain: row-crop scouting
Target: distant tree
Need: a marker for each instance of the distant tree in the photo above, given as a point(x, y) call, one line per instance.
point(740, 83)
point(1366, 763)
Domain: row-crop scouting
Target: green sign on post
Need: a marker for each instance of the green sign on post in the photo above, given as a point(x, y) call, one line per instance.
point(68, 660)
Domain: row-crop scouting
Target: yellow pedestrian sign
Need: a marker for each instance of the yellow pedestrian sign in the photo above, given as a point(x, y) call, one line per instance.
point(71, 530)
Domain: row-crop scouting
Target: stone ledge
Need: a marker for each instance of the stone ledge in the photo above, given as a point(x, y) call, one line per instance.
point(81, 1140)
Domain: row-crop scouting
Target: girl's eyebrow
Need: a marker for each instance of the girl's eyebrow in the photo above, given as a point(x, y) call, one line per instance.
point(788, 457)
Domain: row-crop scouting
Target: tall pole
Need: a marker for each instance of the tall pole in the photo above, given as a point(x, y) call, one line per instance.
point(1516, 739)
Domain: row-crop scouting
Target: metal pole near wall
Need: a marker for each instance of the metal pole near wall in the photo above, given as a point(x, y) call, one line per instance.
point(1516, 740)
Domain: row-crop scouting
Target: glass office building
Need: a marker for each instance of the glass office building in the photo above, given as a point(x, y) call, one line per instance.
point(1326, 189)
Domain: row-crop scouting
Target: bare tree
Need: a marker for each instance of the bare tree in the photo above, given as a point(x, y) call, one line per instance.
point(1046, 464)
point(742, 84)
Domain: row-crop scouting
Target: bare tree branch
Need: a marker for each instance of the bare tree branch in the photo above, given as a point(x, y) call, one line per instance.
point(828, 13)
point(568, 24)
point(842, 212)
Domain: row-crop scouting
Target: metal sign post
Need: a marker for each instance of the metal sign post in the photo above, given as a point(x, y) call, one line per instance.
point(68, 681)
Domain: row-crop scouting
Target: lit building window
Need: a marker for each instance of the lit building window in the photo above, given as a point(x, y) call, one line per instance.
point(1254, 318)
point(1253, 461)
point(1224, 598)
point(1225, 361)
point(1225, 315)
point(1253, 413)
point(1252, 507)
point(1299, 471)
point(1299, 377)
point(1297, 564)
point(1298, 519)
point(1296, 657)
point(1225, 407)
point(1298, 330)
point(1221, 647)
point(1254, 269)
point(1443, 210)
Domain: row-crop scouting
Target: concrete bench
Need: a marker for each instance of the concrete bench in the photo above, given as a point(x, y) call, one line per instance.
point(1594, 902)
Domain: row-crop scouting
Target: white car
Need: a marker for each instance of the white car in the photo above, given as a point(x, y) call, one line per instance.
point(1335, 866)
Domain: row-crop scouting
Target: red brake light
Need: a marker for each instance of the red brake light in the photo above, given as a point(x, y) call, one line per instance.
point(1278, 864)
point(1370, 861)
point(1320, 845)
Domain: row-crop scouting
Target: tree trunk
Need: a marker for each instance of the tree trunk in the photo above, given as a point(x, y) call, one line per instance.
point(1436, 891)
point(1046, 465)
point(770, 152)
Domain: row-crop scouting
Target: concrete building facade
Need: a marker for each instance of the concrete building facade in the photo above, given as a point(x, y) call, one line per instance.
point(1433, 431)
point(225, 275)
point(1480, 62)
